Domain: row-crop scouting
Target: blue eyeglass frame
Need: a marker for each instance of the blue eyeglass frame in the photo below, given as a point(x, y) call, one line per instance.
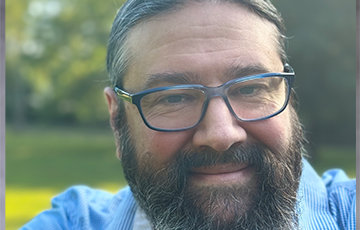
point(209, 92)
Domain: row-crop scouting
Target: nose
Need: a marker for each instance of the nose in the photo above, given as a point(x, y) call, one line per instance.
point(219, 129)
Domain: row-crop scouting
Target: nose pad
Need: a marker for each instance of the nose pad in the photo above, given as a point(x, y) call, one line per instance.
point(219, 129)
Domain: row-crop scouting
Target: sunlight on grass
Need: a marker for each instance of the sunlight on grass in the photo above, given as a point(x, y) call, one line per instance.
point(23, 204)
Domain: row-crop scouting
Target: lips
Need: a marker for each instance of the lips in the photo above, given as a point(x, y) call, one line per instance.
point(220, 169)
point(222, 174)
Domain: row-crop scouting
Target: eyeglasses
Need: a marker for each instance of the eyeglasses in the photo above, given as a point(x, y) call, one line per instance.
point(182, 107)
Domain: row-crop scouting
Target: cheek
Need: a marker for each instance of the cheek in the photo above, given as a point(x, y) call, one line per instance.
point(275, 132)
point(161, 145)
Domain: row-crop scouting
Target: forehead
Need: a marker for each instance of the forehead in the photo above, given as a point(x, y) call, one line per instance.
point(204, 39)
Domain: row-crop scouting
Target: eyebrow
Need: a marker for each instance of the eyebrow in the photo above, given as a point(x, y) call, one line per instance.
point(154, 80)
point(175, 78)
point(244, 71)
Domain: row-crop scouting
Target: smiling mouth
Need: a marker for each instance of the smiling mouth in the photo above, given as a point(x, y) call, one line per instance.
point(220, 174)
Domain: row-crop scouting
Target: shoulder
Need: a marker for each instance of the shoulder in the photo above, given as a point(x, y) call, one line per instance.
point(89, 198)
point(337, 179)
point(342, 197)
point(327, 202)
point(80, 207)
point(339, 187)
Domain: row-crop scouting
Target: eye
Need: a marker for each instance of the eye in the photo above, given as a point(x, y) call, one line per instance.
point(247, 90)
point(173, 99)
point(176, 99)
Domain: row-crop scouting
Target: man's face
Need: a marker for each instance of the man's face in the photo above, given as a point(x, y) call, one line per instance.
point(204, 41)
point(216, 170)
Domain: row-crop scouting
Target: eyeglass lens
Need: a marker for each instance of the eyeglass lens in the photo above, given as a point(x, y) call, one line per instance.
point(181, 108)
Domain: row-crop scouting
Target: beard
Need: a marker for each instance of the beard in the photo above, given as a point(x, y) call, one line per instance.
point(171, 201)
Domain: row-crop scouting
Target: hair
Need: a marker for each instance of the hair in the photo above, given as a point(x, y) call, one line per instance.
point(134, 11)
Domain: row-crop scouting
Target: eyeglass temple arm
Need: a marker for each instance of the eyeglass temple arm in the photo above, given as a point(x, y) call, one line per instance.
point(123, 95)
point(288, 68)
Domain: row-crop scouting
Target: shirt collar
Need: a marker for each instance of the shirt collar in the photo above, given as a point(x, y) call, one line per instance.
point(141, 222)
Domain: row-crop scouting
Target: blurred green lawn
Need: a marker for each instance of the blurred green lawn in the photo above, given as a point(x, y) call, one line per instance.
point(41, 162)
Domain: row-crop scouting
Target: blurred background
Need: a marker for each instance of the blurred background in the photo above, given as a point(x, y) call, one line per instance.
point(58, 134)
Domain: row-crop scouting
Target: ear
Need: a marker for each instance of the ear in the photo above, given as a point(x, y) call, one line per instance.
point(111, 100)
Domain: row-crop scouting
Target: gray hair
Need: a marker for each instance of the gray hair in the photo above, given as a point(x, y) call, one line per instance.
point(134, 11)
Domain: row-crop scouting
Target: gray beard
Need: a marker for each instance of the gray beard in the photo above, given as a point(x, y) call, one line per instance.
point(172, 203)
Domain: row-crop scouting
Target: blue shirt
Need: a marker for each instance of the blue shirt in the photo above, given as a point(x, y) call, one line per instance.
point(324, 203)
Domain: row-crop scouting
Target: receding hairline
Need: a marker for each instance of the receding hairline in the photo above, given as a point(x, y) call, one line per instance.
point(136, 12)
point(134, 32)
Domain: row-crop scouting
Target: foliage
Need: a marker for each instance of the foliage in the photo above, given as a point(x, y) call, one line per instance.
point(55, 59)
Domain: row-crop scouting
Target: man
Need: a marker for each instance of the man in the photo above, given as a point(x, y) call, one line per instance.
point(203, 114)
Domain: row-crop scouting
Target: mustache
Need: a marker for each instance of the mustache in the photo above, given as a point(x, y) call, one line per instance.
point(251, 153)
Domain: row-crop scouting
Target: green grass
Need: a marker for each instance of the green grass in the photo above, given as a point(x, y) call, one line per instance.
point(41, 162)
point(57, 158)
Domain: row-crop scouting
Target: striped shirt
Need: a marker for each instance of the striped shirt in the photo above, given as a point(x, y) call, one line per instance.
point(323, 203)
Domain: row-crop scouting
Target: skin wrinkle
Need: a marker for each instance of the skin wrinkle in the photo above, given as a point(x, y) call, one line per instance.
point(185, 41)
point(170, 78)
